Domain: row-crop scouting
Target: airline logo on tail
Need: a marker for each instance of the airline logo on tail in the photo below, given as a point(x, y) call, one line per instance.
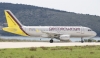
point(14, 26)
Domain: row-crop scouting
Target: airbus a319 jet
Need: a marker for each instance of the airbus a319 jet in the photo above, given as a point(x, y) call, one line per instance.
point(62, 33)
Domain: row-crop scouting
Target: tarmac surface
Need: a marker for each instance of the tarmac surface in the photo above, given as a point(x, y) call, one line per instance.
point(4, 45)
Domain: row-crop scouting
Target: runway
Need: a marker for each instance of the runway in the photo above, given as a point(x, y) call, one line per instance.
point(4, 45)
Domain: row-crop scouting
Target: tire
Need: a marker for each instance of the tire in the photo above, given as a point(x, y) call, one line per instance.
point(51, 41)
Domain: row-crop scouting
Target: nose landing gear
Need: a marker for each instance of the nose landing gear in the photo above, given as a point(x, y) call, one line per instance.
point(82, 41)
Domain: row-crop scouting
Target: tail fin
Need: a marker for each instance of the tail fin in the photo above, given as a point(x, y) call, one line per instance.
point(12, 21)
point(14, 26)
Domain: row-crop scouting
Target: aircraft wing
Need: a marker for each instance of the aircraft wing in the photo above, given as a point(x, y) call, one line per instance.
point(48, 32)
point(52, 34)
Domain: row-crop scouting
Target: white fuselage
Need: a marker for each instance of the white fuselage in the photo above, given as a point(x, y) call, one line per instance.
point(73, 31)
point(62, 33)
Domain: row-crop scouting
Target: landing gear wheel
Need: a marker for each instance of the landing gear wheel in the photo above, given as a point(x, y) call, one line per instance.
point(82, 41)
point(51, 41)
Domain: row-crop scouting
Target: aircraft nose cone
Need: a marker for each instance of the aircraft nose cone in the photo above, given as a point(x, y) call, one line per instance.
point(94, 34)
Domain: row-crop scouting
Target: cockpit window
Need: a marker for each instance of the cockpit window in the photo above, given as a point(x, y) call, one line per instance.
point(89, 30)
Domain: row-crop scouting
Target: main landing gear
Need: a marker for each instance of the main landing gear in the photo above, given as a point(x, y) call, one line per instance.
point(82, 41)
point(51, 41)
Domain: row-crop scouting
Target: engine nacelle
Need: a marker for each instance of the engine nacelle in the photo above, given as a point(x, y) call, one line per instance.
point(64, 37)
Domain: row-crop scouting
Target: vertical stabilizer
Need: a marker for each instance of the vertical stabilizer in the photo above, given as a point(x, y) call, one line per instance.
point(12, 21)
point(14, 26)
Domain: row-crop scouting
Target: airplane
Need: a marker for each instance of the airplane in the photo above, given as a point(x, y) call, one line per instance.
point(62, 33)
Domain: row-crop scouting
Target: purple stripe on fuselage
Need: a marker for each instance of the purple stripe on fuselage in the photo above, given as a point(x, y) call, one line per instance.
point(17, 23)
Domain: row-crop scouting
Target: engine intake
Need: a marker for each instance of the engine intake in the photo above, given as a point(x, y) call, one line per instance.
point(64, 37)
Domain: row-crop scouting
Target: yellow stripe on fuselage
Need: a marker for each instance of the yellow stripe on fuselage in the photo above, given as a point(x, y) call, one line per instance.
point(13, 24)
point(37, 30)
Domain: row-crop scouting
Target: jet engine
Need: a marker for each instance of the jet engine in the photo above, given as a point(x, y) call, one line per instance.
point(64, 37)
